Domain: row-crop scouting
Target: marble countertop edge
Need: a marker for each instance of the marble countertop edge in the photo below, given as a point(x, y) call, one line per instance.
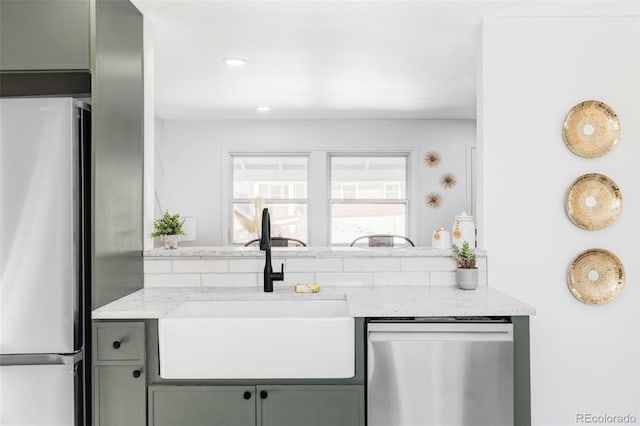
point(391, 301)
point(251, 252)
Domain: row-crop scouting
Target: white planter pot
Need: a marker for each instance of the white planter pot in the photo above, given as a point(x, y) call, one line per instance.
point(467, 279)
point(170, 241)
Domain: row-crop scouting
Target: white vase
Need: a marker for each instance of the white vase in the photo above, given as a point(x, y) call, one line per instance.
point(467, 279)
point(170, 241)
point(464, 230)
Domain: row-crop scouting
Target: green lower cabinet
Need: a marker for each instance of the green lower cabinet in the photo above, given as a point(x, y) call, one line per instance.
point(120, 396)
point(310, 405)
point(202, 406)
point(276, 405)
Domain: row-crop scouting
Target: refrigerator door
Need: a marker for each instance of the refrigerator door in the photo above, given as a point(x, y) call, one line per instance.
point(39, 232)
point(37, 395)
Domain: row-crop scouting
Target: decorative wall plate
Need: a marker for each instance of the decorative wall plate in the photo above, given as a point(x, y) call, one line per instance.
point(596, 276)
point(591, 129)
point(593, 201)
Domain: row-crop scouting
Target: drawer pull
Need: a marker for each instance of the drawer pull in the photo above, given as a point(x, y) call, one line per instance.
point(263, 394)
point(116, 344)
point(136, 373)
point(247, 395)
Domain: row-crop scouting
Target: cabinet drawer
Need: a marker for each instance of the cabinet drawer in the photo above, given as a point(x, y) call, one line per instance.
point(119, 342)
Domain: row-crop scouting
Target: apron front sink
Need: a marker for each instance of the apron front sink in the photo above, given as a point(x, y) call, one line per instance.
point(257, 339)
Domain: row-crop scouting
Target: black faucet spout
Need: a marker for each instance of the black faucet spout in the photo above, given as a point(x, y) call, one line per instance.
point(265, 245)
point(265, 237)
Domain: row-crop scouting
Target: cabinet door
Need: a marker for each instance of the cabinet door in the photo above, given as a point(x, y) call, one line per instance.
point(44, 35)
point(202, 406)
point(312, 405)
point(120, 396)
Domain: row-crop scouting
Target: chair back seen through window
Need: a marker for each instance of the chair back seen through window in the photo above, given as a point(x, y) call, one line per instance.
point(382, 240)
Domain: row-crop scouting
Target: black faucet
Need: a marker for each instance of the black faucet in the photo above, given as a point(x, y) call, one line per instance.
point(265, 245)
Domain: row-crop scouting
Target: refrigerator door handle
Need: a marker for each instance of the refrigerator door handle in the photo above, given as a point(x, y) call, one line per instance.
point(41, 359)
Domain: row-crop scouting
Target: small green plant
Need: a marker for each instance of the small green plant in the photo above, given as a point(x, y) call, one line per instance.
point(168, 224)
point(465, 257)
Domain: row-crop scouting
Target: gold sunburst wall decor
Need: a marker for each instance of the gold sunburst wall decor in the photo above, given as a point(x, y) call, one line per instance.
point(432, 159)
point(433, 200)
point(448, 180)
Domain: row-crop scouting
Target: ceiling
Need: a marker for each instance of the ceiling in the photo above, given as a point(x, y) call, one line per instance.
point(328, 59)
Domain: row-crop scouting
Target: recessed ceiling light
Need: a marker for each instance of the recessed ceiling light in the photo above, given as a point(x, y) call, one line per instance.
point(234, 62)
point(263, 109)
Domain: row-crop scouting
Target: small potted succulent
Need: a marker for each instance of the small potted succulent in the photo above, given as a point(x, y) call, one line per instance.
point(467, 272)
point(168, 228)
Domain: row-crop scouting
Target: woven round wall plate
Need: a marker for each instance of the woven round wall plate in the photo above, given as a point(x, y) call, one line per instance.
point(591, 129)
point(596, 276)
point(593, 201)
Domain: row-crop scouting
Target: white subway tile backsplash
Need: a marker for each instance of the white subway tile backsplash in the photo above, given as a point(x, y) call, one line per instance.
point(254, 265)
point(230, 280)
point(400, 278)
point(156, 266)
point(246, 265)
point(344, 279)
point(314, 265)
point(371, 264)
point(290, 279)
point(442, 278)
point(200, 265)
point(327, 271)
point(427, 264)
point(172, 280)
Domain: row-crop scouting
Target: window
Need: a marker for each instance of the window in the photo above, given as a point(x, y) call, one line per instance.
point(276, 182)
point(368, 196)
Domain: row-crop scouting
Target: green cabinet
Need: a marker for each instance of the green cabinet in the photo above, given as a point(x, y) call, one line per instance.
point(313, 405)
point(202, 406)
point(119, 374)
point(44, 35)
point(272, 405)
point(119, 396)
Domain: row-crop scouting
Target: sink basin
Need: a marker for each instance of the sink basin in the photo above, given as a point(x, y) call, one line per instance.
point(257, 339)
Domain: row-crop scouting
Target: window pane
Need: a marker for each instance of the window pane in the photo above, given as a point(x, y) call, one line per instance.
point(287, 220)
point(350, 221)
point(282, 178)
point(375, 178)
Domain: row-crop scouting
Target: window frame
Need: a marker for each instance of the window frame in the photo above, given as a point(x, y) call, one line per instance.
point(407, 194)
point(318, 189)
point(232, 200)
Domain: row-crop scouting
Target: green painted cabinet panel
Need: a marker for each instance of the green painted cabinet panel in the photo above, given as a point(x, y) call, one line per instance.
point(120, 396)
point(44, 35)
point(119, 341)
point(117, 143)
point(313, 405)
point(202, 406)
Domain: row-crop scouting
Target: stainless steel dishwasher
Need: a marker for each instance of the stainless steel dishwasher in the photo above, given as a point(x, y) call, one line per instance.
point(440, 371)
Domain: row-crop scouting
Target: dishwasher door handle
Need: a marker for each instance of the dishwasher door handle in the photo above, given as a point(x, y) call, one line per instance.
point(440, 331)
point(422, 336)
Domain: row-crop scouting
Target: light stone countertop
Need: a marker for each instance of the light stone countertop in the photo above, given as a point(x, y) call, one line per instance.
point(392, 301)
point(303, 252)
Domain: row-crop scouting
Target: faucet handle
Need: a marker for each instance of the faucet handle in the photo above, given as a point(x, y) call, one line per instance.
point(279, 276)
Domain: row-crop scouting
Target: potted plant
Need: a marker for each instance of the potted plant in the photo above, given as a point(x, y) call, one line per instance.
point(467, 272)
point(168, 228)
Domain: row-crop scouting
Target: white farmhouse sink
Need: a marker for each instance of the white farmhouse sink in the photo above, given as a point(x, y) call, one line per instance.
point(257, 339)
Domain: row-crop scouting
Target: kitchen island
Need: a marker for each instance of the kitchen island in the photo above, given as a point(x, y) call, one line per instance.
point(127, 354)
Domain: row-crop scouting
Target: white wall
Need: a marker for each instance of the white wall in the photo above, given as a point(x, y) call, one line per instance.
point(585, 359)
point(149, 133)
point(192, 154)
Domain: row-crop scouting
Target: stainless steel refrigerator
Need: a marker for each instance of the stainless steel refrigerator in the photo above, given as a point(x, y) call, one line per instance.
point(43, 261)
